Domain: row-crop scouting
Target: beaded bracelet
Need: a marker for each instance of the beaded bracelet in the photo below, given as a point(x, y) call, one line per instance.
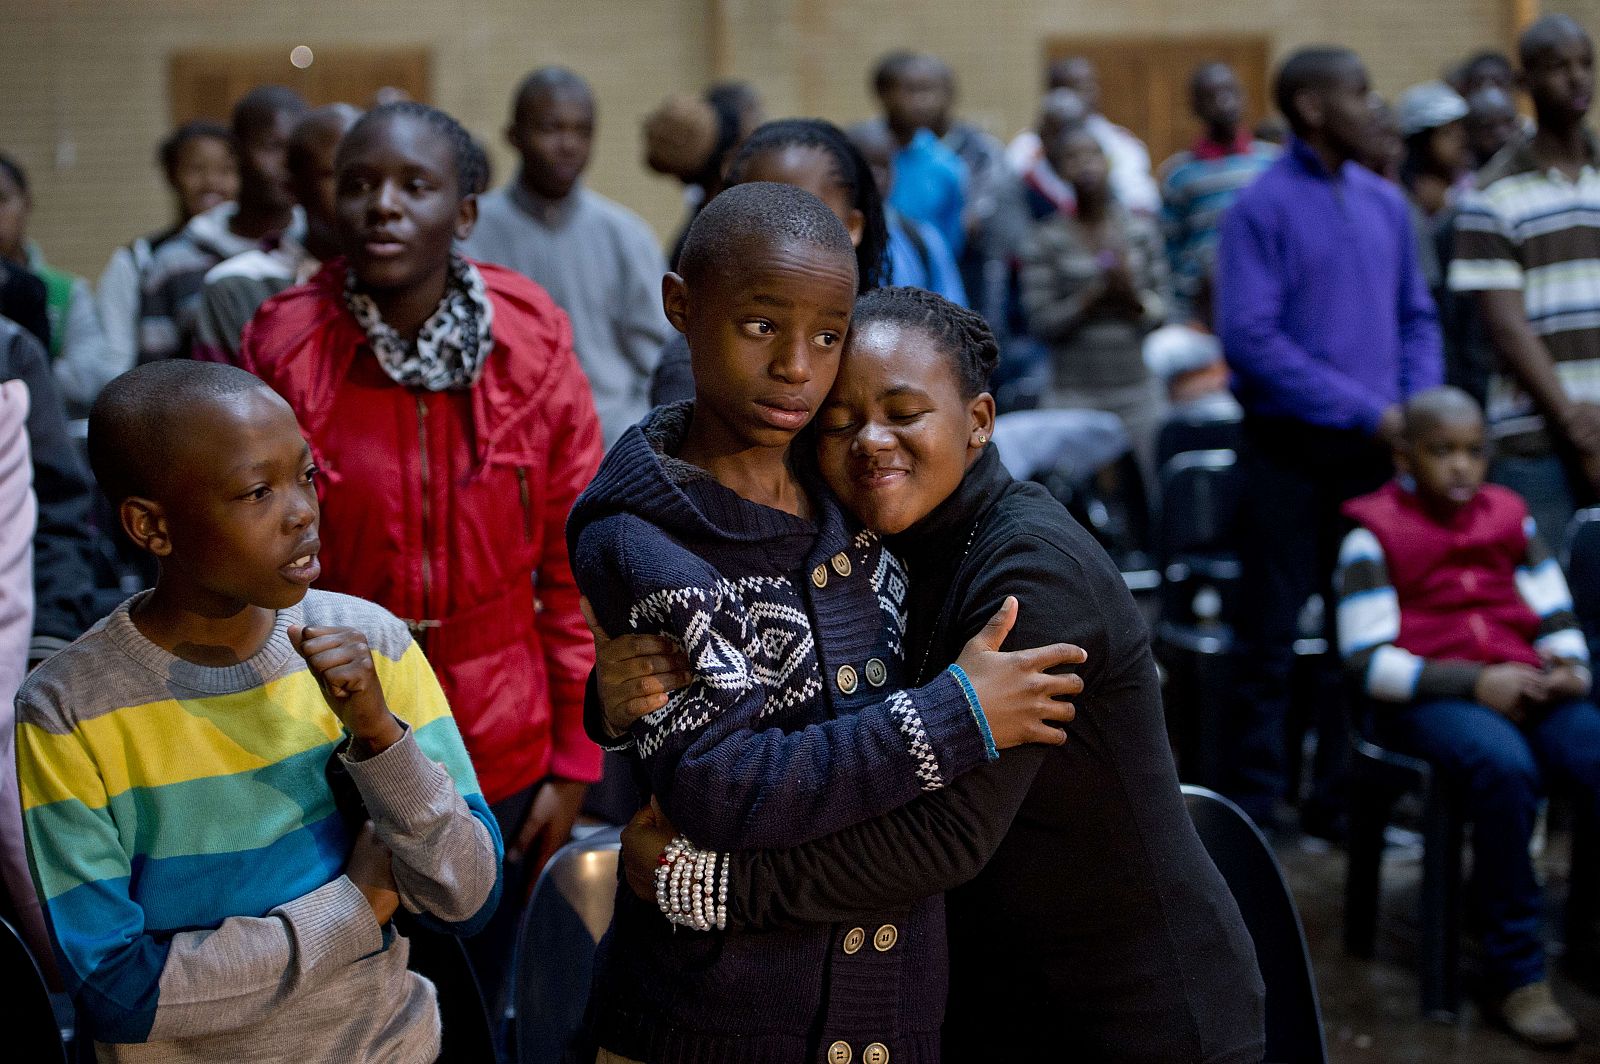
point(692, 886)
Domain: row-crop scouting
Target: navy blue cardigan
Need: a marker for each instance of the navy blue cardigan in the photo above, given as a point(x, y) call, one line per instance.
point(792, 728)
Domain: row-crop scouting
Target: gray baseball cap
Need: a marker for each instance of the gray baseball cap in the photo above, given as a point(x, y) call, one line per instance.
point(1429, 106)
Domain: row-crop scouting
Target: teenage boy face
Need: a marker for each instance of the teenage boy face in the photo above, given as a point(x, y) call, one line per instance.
point(764, 336)
point(206, 174)
point(1560, 77)
point(917, 97)
point(315, 184)
point(399, 207)
point(236, 524)
point(895, 436)
point(1448, 460)
point(1218, 101)
point(1348, 119)
point(554, 134)
point(263, 163)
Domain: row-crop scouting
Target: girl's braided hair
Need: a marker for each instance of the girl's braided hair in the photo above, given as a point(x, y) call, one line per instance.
point(471, 164)
point(851, 171)
point(961, 334)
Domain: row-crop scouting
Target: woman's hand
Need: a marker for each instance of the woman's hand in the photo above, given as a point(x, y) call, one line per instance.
point(1017, 693)
point(635, 674)
point(644, 840)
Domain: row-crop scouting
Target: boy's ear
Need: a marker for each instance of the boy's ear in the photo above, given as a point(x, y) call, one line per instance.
point(1402, 460)
point(145, 522)
point(675, 301)
point(856, 225)
point(980, 415)
point(466, 217)
point(1308, 104)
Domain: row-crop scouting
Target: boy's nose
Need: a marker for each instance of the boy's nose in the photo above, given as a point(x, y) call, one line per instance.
point(793, 364)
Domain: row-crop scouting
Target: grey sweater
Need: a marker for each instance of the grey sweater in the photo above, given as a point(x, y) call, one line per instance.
point(189, 852)
point(600, 263)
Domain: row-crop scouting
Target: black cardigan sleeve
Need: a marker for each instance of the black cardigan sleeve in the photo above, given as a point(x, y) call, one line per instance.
point(941, 840)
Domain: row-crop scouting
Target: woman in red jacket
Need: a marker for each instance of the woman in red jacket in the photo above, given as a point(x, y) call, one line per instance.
point(454, 429)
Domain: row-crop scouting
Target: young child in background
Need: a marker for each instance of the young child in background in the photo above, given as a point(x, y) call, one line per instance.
point(78, 355)
point(598, 260)
point(206, 896)
point(265, 212)
point(202, 170)
point(235, 288)
point(1093, 284)
point(454, 428)
point(1453, 613)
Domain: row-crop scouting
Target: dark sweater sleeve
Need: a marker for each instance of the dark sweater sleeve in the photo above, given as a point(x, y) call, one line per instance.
point(727, 778)
point(943, 839)
point(63, 578)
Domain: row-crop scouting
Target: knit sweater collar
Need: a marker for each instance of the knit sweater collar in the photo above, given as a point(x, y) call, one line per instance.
point(256, 670)
point(642, 475)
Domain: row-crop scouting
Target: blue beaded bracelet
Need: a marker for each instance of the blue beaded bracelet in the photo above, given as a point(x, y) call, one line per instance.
point(977, 710)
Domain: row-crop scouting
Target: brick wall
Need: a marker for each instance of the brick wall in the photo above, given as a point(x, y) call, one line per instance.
point(84, 81)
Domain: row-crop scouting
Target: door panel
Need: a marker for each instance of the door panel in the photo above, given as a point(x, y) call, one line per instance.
point(206, 82)
point(1144, 81)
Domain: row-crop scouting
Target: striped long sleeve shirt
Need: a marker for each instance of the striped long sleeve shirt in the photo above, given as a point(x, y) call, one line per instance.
point(189, 854)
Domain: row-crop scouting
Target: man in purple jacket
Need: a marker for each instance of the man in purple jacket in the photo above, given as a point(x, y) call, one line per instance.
point(1328, 326)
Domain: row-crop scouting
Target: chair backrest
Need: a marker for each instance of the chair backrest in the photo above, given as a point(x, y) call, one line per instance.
point(570, 910)
point(441, 958)
point(31, 1033)
point(1581, 551)
point(1205, 432)
point(1199, 502)
point(1242, 855)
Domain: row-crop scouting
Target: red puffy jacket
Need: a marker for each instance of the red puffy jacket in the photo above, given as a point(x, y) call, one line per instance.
point(449, 509)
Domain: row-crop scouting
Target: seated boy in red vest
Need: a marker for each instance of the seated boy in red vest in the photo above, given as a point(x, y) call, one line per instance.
point(1453, 613)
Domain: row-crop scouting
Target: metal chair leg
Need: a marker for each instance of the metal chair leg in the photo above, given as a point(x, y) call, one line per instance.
point(1441, 906)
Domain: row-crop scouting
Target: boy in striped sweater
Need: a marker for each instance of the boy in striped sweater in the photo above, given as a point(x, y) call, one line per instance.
point(207, 897)
point(1453, 612)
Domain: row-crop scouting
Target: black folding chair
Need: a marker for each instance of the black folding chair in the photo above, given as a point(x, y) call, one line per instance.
point(1198, 432)
point(1199, 594)
point(31, 1033)
point(570, 910)
point(1243, 856)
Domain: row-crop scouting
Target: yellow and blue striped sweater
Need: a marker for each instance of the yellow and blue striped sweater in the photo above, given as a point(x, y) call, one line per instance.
point(186, 846)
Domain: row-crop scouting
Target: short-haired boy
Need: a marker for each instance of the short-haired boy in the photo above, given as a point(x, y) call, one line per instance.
point(1453, 612)
point(208, 898)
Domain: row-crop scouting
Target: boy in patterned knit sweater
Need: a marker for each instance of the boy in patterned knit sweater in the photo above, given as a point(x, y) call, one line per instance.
point(207, 897)
point(705, 526)
point(1453, 612)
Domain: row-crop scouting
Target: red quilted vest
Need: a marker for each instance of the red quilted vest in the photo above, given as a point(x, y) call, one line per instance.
point(1456, 581)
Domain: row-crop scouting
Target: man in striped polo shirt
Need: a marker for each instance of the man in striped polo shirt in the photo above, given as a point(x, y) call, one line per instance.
point(1199, 184)
point(1528, 245)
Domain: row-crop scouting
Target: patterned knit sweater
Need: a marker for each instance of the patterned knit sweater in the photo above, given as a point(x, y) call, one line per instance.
point(791, 728)
point(186, 844)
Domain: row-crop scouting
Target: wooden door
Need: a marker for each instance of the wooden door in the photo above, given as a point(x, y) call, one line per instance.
point(1144, 81)
point(206, 82)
